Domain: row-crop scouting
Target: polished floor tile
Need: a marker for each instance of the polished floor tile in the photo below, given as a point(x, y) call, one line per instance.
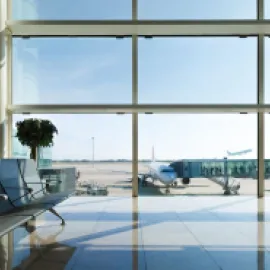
point(207, 232)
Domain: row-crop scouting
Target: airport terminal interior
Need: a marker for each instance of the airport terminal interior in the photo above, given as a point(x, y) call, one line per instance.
point(134, 134)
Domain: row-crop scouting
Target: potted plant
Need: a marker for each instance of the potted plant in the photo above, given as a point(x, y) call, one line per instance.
point(35, 133)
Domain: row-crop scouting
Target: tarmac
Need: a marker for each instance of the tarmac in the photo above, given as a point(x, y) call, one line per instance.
point(117, 177)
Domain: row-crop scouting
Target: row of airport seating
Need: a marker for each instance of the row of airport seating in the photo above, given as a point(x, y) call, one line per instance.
point(24, 194)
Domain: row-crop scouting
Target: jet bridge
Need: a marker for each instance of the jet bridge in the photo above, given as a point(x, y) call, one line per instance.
point(216, 170)
point(229, 185)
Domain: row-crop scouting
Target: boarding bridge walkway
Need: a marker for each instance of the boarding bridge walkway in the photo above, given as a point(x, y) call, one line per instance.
point(229, 185)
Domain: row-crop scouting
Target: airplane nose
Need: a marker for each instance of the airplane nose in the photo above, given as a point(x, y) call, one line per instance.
point(169, 177)
point(172, 177)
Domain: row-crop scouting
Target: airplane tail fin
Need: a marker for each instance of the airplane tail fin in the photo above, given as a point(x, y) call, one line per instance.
point(153, 154)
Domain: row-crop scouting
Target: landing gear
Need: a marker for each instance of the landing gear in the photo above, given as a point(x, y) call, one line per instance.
point(186, 180)
point(231, 192)
point(167, 191)
point(144, 183)
point(143, 180)
point(175, 184)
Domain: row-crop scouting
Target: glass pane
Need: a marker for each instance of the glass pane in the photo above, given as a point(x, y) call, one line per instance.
point(18, 150)
point(197, 9)
point(197, 70)
point(204, 151)
point(71, 70)
point(267, 9)
point(267, 69)
point(69, 10)
point(96, 147)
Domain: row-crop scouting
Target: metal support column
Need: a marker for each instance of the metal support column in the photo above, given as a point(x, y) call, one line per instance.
point(260, 187)
point(3, 77)
point(135, 155)
point(260, 100)
point(10, 248)
point(8, 133)
point(134, 101)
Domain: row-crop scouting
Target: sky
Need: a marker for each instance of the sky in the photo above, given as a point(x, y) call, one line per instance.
point(170, 70)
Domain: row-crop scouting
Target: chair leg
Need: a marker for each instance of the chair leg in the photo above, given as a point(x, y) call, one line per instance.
point(56, 214)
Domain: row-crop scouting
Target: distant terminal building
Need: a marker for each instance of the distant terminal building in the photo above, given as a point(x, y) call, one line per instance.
point(200, 168)
point(44, 155)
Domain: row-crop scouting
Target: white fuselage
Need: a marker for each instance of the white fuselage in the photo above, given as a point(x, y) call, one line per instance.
point(164, 173)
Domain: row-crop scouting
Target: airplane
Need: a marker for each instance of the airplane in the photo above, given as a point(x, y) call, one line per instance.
point(160, 171)
point(239, 152)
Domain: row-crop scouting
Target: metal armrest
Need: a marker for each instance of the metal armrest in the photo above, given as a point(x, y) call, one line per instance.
point(36, 183)
point(3, 197)
point(25, 188)
point(57, 181)
point(16, 187)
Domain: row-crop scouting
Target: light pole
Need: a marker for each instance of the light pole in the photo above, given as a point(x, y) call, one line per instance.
point(93, 151)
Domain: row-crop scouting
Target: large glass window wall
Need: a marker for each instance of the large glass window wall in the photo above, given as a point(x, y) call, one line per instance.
point(71, 70)
point(94, 145)
point(210, 153)
point(196, 9)
point(197, 70)
point(69, 10)
point(187, 70)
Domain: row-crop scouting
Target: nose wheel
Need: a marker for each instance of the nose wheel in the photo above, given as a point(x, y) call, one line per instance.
point(167, 191)
point(144, 183)
point(175, 184)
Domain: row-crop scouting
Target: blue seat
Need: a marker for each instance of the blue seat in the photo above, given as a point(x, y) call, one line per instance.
point(25, 192)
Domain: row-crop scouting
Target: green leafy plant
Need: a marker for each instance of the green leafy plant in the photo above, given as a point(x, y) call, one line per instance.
point(35, 133)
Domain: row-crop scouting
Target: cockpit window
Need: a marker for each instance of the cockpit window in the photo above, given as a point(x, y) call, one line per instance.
point(165, 170)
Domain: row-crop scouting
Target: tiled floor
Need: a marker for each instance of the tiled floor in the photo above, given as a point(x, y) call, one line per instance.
point(207, 232)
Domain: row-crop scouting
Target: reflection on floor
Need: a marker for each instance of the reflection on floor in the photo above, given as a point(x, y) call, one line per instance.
point(214, 232)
